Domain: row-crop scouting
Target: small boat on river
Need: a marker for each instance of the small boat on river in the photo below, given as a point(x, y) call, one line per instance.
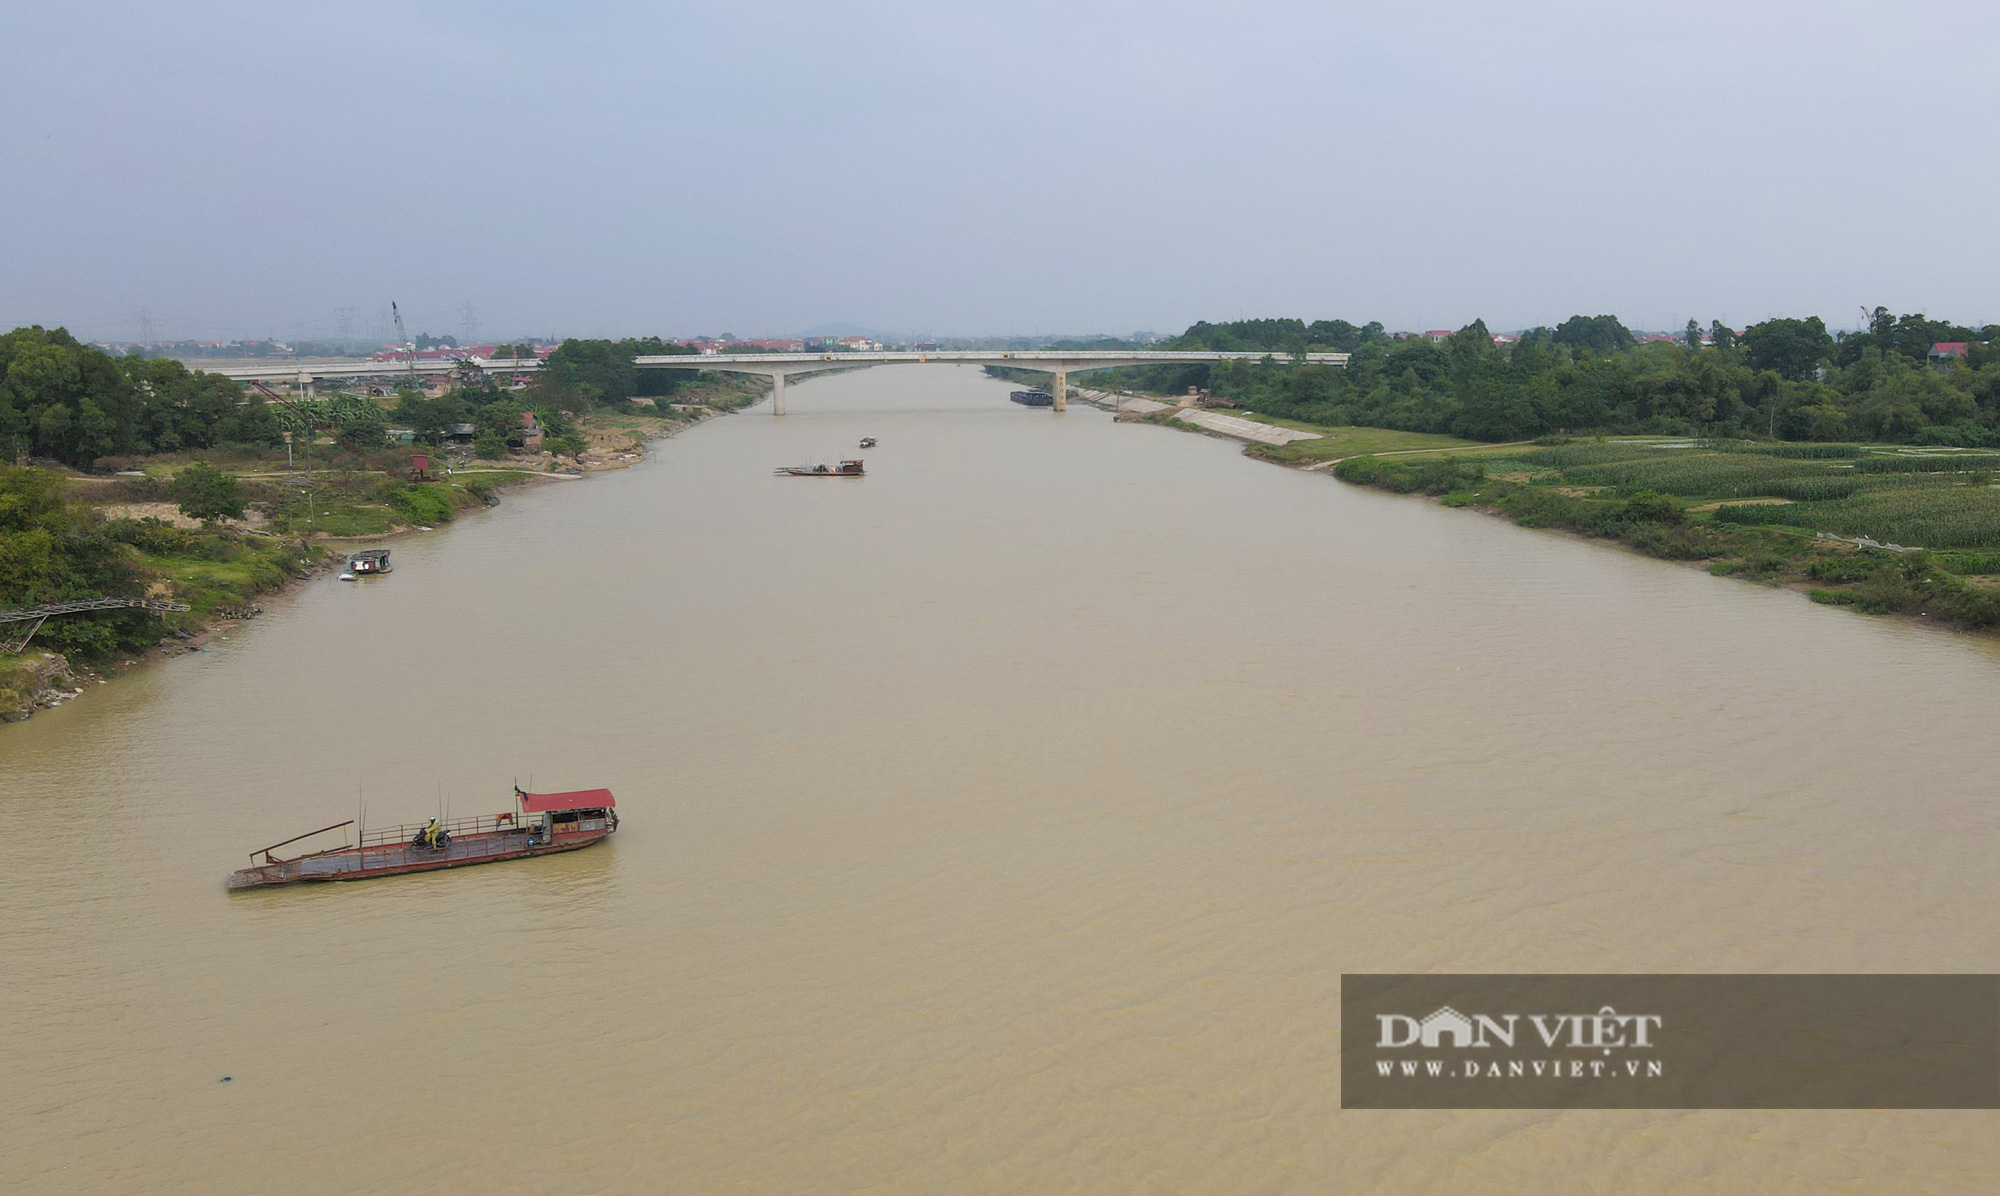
point(1033, 398)
point(540, 824)
point(368, 562)
point(867, 442)
point(846, 469)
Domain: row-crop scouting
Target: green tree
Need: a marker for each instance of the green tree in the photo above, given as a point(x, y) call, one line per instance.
point(1792, 348)
point(1692, 336)
point(361, 426)
point(1605, 334)
point(206, 493)
point(597, 370)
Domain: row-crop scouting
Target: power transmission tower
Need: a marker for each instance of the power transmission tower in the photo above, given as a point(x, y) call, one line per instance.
point(145, 325)
point(468, 322)
point(344, 317)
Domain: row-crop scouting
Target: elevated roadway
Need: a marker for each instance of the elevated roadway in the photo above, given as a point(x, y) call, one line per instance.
point(1060, 362)
point(779, 367)
point(305, 373)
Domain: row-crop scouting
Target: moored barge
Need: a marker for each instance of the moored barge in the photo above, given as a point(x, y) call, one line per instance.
point(540, 824)
point(846, 469)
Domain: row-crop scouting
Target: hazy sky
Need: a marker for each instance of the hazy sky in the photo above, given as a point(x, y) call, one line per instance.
point(964, 168)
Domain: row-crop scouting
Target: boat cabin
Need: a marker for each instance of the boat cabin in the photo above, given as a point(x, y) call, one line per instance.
point(373, 560)
point(549, 816)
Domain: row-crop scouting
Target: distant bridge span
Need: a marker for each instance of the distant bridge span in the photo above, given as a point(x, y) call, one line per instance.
point(309, 372)
point(780, 366)
point(1060, 362)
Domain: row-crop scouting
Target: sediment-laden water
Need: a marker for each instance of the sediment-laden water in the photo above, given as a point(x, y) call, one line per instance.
point(1002, 821)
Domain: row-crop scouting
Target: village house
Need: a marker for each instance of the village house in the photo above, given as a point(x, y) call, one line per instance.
point(1945, 354)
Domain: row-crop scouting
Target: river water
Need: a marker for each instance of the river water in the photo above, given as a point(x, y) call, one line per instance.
point(1002, 821)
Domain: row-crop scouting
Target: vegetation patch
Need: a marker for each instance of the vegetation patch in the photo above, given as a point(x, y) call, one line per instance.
point(1919, 541)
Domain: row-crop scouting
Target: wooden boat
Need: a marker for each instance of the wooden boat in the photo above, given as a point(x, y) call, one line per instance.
point(373, 560)
point(540, 824)
point(1033, 398)
point(846, 469)
point(867, 442)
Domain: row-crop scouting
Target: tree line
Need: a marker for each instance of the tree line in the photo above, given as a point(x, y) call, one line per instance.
point(65, 401)
point(1786, 378)
point(74, 403)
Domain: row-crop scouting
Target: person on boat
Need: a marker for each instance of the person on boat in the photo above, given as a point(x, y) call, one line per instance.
point(429, 836)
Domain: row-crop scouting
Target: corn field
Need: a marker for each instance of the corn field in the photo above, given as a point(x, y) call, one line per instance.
point(1931, 500)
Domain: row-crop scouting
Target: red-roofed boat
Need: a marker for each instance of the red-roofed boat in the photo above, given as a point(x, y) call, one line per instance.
point(540, 824)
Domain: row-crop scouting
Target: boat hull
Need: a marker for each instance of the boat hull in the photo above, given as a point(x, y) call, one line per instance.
point(375, 862)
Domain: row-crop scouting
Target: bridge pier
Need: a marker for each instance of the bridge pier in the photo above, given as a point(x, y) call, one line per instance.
point(1061, 391)
point(777, 394)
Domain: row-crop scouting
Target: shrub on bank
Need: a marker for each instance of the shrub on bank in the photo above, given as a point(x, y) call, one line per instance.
point(1431, 475)
point(422, 504)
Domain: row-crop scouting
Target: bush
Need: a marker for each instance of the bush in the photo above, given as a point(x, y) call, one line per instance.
point(205, 493)
point(489, 448)
point(421, 505)
point(1841, 568)
point(1437, 475)
point(155, 537)
point(1650, 506)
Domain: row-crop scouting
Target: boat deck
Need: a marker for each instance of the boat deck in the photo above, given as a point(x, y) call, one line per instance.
point(351, 863)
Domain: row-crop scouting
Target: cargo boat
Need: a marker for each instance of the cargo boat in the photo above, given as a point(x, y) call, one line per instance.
point(540, 824)
point(1033, 398)
point(846, 469)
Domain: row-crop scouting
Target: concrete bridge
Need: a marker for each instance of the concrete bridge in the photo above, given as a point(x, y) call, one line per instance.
point(778, 367)
point(308, 372)
point(1061, 362)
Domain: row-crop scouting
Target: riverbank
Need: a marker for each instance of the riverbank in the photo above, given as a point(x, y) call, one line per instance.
point(1882, 530)
point(226, 570)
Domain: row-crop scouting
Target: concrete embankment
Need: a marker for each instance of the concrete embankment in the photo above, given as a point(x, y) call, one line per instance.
point(1213, 422)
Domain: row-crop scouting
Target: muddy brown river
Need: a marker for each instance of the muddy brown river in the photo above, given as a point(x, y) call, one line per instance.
point(1002, 821)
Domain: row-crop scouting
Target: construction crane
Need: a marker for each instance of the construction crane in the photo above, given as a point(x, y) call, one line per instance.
point(403, 335)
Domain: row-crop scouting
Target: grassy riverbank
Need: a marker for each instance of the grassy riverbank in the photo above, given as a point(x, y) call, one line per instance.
point(1337, 441)
point(1882, 529)
point(67, 535)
